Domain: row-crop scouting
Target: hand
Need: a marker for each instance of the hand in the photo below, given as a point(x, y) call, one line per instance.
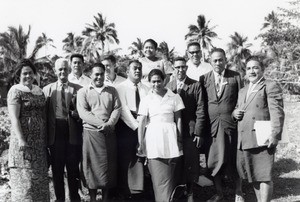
point(272, 142)
point(74, 114)
point(105, 127)
point(199, 141)
point(238, 114)
point(140, 151)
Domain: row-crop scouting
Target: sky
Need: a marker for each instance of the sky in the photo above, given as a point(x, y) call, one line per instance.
point(161, 20)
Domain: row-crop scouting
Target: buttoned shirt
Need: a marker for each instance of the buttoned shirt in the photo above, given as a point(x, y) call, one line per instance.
point(126, 91)
point(83, 80)
point(194, 72)
point(58, 107)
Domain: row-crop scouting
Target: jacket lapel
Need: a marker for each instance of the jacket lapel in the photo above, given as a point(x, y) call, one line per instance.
point(253, 94)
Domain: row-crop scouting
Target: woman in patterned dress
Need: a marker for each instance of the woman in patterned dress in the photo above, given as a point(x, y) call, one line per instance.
point(162, 142)
point(27, 159)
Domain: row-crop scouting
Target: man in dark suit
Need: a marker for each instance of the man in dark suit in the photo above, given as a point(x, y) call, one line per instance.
point(193, 118)
point(259, 102)
point(64, 131)
point(221, 88)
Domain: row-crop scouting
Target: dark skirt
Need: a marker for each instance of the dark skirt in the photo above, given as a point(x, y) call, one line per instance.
point(164, 177)
point(99, 159)
point(256, 164)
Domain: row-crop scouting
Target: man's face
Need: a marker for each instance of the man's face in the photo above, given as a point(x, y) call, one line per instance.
point(218, 61)
point(180, 69)
point(134, 72)
point(76, 66)
point(194, 53)
point(254, 71)
point(109, 67)
point(61, 71)
point(97, 76)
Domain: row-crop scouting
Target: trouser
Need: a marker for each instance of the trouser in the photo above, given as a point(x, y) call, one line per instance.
point(64, 154)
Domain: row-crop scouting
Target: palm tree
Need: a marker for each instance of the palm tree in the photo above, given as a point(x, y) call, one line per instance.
point(272, 21)
point(99, 34)
point(136, 48)
point(202, 33)
point(167, 54)
point(42, 41)
point(14, 42)
point(72, 43)
point(238, 51)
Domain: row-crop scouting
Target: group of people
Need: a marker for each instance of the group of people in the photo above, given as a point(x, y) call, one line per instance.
point(108, 131)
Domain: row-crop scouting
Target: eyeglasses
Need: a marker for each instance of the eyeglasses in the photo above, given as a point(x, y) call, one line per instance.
point(194, 52)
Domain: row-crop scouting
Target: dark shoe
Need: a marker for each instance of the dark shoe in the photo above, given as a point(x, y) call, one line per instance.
point(216, 198)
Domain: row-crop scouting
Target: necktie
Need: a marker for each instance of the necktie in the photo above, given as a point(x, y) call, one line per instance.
point(179, 87)
point(218, 84)
point(63, 101)
point(137, 98)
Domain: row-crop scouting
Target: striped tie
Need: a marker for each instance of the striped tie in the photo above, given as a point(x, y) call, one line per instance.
point(63, 101)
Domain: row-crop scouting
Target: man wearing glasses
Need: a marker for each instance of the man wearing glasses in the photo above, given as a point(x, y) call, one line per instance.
point(196, 67)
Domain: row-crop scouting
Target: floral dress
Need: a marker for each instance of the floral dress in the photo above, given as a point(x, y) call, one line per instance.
point(28, 165)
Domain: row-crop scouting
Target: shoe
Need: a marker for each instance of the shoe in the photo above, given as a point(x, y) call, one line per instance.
point(239, 198)
point(216, 198)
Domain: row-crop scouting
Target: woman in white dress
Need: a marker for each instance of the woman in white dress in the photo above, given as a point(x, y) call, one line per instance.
point(161, 143)
point(151, 61)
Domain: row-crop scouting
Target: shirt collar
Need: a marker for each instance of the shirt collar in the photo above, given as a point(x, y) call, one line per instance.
point(217, 74)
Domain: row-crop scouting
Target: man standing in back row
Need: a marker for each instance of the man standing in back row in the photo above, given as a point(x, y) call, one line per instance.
point(221, 87)
point(196, 67)
point(76, 76)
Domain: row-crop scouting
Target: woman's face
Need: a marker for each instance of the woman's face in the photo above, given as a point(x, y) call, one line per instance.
point(149, 49)
point(157, 83)
point(26, 76)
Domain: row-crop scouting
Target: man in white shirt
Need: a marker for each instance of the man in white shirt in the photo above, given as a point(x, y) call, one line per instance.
point(196, 68)
point(131, 173)
point(76, 76)
point(111, 78)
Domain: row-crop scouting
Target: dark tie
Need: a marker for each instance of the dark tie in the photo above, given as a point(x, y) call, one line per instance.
point(137, 98)
point(63, 101)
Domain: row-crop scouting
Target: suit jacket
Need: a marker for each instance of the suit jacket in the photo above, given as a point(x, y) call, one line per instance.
point(75, 126)
point(193, 116)
point(264, 103)
point(219, 109)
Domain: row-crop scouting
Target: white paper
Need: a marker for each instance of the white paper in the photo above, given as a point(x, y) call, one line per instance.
point(263, 131)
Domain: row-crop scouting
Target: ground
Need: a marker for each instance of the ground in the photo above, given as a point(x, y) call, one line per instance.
point(286, 169)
